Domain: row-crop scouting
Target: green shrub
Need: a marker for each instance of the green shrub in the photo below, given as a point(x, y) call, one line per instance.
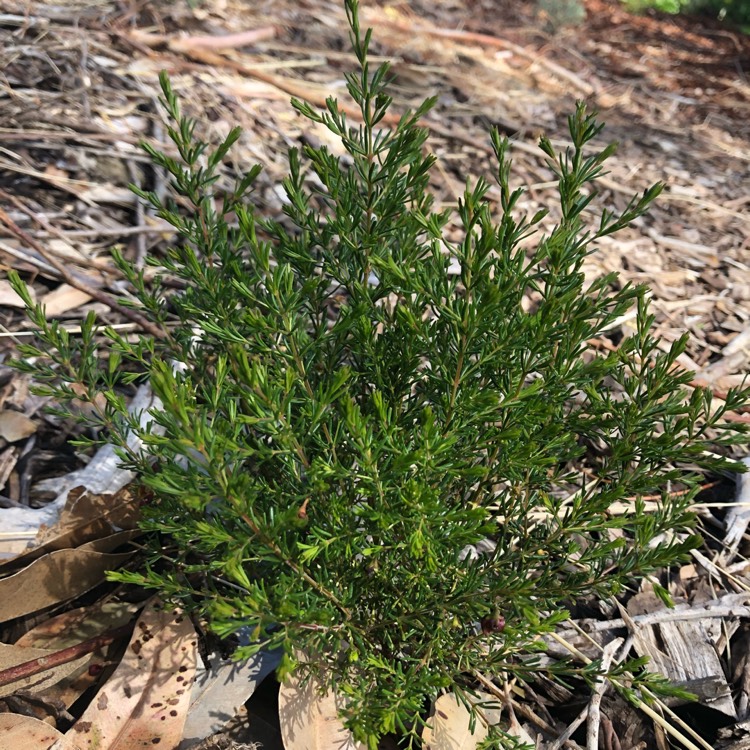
point(395, 453)
point(663, 6)
point(734, 11)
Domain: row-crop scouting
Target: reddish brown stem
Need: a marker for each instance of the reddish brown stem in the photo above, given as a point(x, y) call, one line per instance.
point(43, 663)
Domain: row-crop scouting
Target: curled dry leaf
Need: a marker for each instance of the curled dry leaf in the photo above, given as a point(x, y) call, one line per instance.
point(309, 720)
point(88, 516)
point(145, 701)
point(60, 576)
point(85, 518)
point(220, 691)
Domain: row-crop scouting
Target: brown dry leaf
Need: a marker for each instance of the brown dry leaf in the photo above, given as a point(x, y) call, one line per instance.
point(15, 426)
point(77, 625)
point(62, 299)
point(60, 576)
point(70, 629)
point(8, 297)
point(24, 733)
point(88, 516)
point(145, 702)
point(449, 725)
point(309, 720)
point(85, 518)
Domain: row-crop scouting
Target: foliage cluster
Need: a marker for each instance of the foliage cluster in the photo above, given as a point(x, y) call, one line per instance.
point(734, 11)
point(391, 452)
point(558, 13)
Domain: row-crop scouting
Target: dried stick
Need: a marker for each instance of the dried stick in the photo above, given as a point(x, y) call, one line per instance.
point(520, 708)
point(645, 707)
point(43, 663)
point(592, 728)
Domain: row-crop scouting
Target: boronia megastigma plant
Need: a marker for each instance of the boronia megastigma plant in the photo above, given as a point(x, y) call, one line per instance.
point(394, 453)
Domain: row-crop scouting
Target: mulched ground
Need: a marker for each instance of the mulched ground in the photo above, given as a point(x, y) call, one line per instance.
point(79, 90)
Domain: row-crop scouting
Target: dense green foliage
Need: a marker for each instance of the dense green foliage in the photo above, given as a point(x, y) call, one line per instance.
point(734, 11)
point(394, 453)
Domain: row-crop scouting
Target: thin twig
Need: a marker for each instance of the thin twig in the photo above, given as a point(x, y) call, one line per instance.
point(68, 277)
point(592, 728)
point(643, 706)
point(731, 605)
point(521, 708)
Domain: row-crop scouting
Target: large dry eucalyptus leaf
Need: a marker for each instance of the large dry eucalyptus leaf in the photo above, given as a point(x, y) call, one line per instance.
point(60, 576)
point(309, 720)
point(25, 733)
point(85, 518)
point(144, 702)
point(65, 684)
point(88, 516)
point(78, 625)
point(449, 725)
point(220, 692)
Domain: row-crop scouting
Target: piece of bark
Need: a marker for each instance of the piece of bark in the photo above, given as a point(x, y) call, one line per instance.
point(735, 737)
point(684, 652)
